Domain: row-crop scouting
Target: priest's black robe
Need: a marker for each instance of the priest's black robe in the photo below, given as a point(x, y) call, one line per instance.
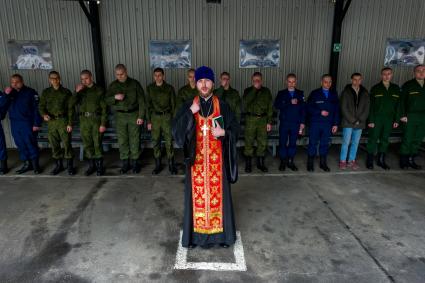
point(184, 135)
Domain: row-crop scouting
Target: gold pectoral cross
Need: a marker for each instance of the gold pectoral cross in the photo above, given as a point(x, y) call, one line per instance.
point(205, 129)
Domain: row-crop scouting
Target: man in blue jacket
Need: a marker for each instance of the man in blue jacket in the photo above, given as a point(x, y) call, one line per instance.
point(291, 106)
point(25, 122)
point(323, 114)
point(3, 151)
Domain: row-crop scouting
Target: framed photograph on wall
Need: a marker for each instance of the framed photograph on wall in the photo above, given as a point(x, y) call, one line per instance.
point(407, 52)
point(259, 53)
point(170, 54)
point(30, 55)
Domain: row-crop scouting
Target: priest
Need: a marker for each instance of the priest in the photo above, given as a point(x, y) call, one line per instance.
point(207, 130)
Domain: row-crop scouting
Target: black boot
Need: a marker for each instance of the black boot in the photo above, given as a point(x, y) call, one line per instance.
point(248, 164)
point(3, 167)
point(158, 166)
point(291, 164)
point(381, 161)
point(172, 167)
point(260, 164)
point(36, 166)
point(58, 167)
point(310, 163)
point(282, 165)
point(125, 166)
point(369, 161)
point(404, 162)
point(413, 164)
point(70, 166)
point(324, 163)
point(136, 167)
point(100, 170)
point(91, 169)
point(25, 168)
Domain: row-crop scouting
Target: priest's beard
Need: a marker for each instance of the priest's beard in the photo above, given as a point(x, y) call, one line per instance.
point(206, 95)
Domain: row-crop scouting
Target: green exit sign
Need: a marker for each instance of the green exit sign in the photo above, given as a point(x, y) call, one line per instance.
point(337, 47)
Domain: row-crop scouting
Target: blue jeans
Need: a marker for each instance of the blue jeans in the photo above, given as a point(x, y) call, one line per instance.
point(350, 136)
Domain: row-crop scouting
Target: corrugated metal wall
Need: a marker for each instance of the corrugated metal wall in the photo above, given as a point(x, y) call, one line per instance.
point(61, 22)
point(302, 26)
point(366, 28)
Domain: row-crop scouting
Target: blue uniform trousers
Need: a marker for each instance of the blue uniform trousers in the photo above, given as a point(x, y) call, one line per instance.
point(288, 134)
point(25, 139)
point(319, 134)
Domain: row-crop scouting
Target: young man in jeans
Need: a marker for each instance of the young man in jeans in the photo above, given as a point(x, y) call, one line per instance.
point(354, 112)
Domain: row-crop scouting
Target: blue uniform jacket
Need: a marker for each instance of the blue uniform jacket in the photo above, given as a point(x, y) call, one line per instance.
point(22, 106)
point(290, 113)
point(317, 102)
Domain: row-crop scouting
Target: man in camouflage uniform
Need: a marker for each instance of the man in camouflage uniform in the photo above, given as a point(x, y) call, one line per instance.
point(187, 92)
point(93, 117)
point(56, 109)
point(161, 100)
point(127, 98)
point(384, 101)
point(412, 113)
point(258, 107)
point(229, 94)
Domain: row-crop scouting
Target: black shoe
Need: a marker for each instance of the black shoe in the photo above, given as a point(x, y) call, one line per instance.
point(260, 164)
point(381, 161)
point(369, 161)
point(100, 170)
point(282, 165)
point(404, 162)
point(172, 166)
point(70, 167)
point(91, 169)
point(158, 166)
point(310, 164)
point(125, 166)
point(413, 164)
point(136, 167)
point(191, 246)
point(291, 164)
point(3, 167)
point(224, 246)
point(58, 167)
point(324, 164)
point(248, 164)
point(25, 168)
point(36, 166)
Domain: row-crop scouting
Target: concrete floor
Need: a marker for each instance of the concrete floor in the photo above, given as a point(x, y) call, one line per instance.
point(365, 226)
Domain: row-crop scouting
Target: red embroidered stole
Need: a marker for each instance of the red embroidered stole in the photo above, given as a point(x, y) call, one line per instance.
point(207, 171)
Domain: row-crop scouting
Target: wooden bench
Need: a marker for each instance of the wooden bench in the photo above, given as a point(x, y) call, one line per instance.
point(110, 138)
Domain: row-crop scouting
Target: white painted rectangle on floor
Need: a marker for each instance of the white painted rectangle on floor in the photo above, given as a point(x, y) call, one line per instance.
point(238, 265)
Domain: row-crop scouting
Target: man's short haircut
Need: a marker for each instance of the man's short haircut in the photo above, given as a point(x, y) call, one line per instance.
point(325, 76)
point(225, 74)
point(86, 72)
point(54, 73)
point(121, 67)
point(356, 75)
point(159, 70)
point(257, 74)
point(418, 66)
point(17, 76)
point(291, 75)
point(386, 69)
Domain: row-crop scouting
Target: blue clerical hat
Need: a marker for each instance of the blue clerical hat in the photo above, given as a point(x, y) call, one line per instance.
point(204, 73)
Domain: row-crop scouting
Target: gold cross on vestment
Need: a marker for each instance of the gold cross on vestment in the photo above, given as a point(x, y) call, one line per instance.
point(205, 129)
